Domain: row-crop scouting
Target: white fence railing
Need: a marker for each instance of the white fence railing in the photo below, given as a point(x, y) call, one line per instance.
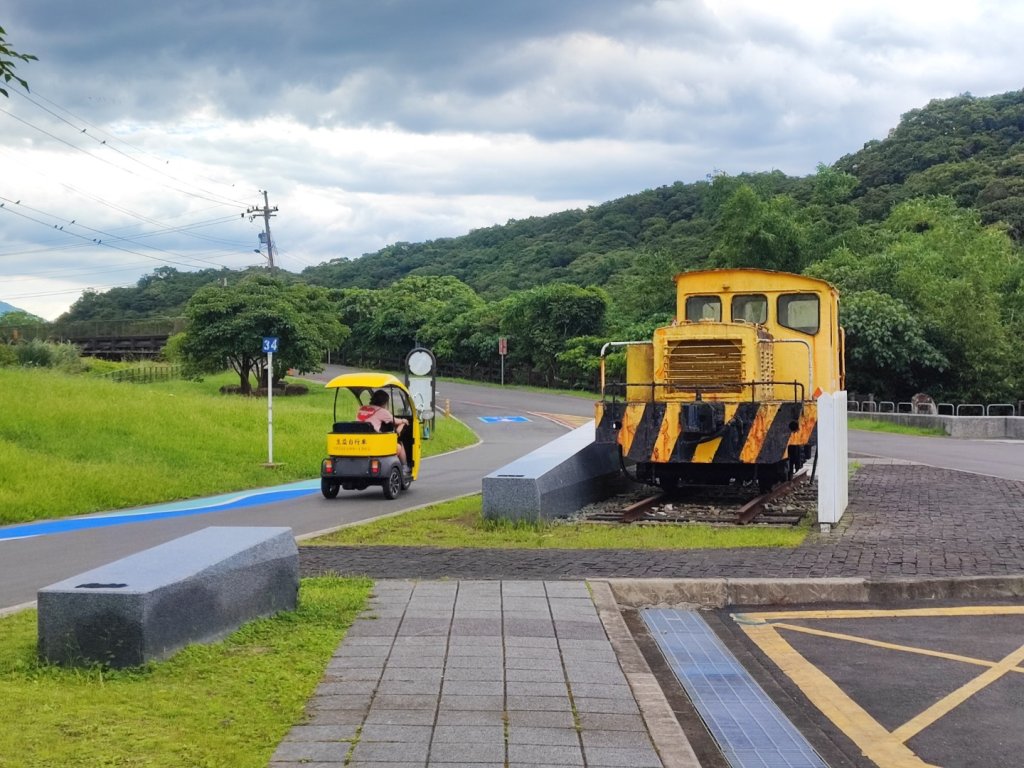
point(941, 409)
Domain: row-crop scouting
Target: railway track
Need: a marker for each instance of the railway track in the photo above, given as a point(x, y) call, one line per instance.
point(785, 505)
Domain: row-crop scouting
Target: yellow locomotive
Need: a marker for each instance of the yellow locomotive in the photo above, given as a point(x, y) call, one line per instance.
point(728, 391)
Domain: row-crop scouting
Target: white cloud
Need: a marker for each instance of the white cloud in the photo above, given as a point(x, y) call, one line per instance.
point(371, 123)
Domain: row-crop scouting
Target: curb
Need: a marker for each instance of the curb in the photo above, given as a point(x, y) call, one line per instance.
point(720, 592)
point(667, 735)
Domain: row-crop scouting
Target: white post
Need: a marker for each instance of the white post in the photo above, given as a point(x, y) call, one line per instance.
point(270, 407)
point(833, 471)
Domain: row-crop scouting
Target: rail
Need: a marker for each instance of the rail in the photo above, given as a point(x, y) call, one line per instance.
point(144, 374)
point(618, 388)
point(941, 409)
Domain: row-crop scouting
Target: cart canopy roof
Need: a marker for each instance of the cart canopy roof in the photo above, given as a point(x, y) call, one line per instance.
point(368, 380)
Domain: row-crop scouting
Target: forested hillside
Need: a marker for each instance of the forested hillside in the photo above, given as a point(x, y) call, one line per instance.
point(921, 231)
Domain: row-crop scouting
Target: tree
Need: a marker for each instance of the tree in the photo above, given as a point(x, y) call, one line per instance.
point(226, 325)
point(540, 321)
point(953, 284)
point(7, 55)
point(886, 348)
point(765, 234)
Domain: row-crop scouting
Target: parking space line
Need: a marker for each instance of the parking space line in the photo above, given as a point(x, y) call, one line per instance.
point(873, 613)
point(946, 704)
point(891, 646)
point(887, 749)
point(876, 742)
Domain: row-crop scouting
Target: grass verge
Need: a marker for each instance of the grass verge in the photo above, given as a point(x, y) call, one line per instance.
point(869, 425)
point(70, 445)
point(227, 704)
point(460, 523)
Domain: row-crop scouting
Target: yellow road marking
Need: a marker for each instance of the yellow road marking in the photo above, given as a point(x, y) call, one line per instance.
point(565, 419)
point(891, 646)
point(944, 705)
point(887, 750)
point(963, 610)
point(875, 742)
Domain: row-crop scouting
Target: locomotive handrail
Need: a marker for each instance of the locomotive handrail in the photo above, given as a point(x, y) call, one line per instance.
point(799, 391)
point(604, 351)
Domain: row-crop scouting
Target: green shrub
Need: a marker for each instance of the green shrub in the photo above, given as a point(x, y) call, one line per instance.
point(34, 354)
point(65, 358)
point(8, 357)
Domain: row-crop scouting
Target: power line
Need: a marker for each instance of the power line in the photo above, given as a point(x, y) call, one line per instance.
point(10, 209)
point(103, 142)
point(108, 162)
point(120, 140)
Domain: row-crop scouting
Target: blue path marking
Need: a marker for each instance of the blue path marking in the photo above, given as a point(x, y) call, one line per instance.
point(501, 419)
point(204, 506)
point(750, 729)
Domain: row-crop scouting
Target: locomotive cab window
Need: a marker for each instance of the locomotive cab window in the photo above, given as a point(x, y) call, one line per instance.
point(800, 311)
point(751, 308)
point(703, 308)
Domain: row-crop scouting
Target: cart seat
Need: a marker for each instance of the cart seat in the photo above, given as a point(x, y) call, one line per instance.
point(352, 428)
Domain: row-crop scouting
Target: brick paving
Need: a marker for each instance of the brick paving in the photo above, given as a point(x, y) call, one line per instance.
point(903, 521)
point(488, 673)
point(501, 658)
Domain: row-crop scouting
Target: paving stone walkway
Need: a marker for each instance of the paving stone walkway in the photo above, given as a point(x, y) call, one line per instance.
point(903, 521)
point(496, 673)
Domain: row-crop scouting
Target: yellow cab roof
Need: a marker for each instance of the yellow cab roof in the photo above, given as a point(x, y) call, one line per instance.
point(367, 380)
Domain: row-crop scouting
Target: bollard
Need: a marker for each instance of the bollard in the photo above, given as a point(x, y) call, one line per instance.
point(447, 408)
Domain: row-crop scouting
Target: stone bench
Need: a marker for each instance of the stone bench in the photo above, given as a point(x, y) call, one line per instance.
point(555, 480)
point(145, 607)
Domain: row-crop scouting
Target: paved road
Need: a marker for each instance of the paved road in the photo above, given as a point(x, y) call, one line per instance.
point(29, 564)
point(934, 683)
point(999, 458)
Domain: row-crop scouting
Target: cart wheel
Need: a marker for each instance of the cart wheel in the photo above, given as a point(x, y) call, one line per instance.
point(329, 488)
point(393, 485)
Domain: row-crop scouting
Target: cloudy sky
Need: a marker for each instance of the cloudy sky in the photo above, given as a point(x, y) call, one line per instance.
point(151, 128)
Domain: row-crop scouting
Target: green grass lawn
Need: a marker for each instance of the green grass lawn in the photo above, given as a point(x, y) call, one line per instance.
point(460, 523)
point(70, 445)
point(870, 425)
point(226, 705)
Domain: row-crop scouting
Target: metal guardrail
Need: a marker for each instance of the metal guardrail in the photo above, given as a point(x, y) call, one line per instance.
point(942, 409)
point(970, 407)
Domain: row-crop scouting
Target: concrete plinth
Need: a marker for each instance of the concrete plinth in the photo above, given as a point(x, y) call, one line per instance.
point(195, 589)
point(555, 480)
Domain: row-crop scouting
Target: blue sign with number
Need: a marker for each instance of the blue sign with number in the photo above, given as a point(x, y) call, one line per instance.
point(269, 345)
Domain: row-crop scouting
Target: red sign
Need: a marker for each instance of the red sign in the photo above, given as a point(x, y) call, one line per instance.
point(502, 346)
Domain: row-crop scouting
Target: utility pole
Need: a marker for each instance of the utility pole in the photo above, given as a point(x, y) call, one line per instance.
point(266, 211)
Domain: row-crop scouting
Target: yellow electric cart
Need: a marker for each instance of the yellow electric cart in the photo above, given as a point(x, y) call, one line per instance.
point(357, 455)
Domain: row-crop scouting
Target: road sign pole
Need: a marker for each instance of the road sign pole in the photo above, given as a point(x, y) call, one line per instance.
point(270, 407)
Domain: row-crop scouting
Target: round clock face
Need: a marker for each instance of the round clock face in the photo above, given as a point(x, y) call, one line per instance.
point(420, 363)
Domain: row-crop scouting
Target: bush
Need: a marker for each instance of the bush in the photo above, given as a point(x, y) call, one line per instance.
point(8, 357)
point(34, 354)
point(43, 354)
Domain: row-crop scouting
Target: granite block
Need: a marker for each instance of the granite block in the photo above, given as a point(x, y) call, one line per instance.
point(145, 607)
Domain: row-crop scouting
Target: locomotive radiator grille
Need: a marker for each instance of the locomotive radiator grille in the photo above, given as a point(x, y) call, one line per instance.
point(712, 364)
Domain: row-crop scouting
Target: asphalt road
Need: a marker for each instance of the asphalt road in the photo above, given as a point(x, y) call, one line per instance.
point(28, 564)
point(999, 458)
